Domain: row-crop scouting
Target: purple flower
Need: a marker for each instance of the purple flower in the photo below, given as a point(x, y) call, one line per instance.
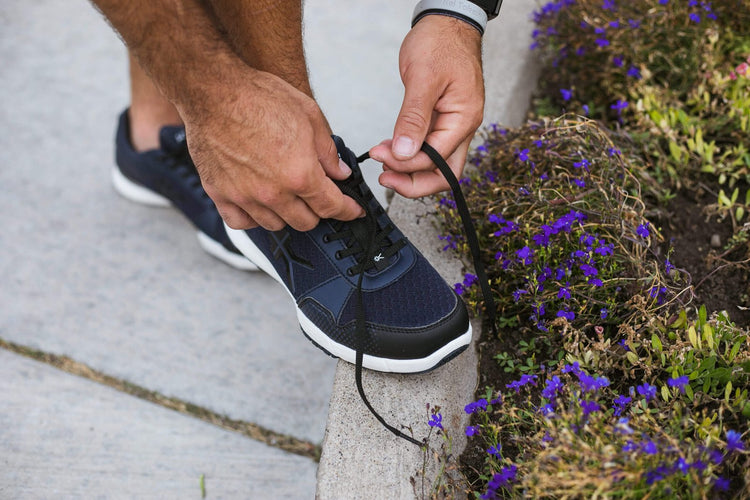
point(517, 294)
point(588, 270)
point(589, 407)
point(603, 313)
point(617, 61)
point(496, 219)
point(583, 163)
point(585, 109)
point(590, 383)
point(436, 420)
point(563, 293)
point(472, 430)
point(523, 155)
point(476, 406)
point(649, 448)
point(664, 2)
point(495, 451)
point(575, 368)
point(525, 255)
point(566, 94)
point(668, 266)
point(619, 105)
point(524, 380)
point(647, 390)
point(620, 404)
point(602, 42)
point(643, 231)
point(629, 446)
point(634, 23)
point(679, 382)
point(499, 480)
point(569, 315)
point(696, 18)
point(634, 72)
point(734, 441)
point(721, 484)
point(609, 5)
point(552, 387)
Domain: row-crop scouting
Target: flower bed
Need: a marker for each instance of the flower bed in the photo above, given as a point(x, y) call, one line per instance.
point(608, 378)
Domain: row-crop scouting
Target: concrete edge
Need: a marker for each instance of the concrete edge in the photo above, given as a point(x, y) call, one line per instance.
point(360, 458)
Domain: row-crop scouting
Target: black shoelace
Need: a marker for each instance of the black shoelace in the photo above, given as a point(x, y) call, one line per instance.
point(376, 237)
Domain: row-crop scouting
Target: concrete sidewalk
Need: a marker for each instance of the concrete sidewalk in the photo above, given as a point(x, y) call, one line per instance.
point(125, 290)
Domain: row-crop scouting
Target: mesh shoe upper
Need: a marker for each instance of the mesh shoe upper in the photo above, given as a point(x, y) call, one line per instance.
point(410, 310)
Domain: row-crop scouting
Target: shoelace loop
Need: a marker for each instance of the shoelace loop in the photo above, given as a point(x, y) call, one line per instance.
point(374, 239)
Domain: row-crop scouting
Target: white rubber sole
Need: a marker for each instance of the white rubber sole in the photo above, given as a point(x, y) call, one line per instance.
point(245, 245)
point(144, 196)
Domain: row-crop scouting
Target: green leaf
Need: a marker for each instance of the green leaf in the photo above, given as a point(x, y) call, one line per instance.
point(675, 151)
point(728, 391)
point(656, 343)
point(632, 357)
point(665, 393)
point(693, 337)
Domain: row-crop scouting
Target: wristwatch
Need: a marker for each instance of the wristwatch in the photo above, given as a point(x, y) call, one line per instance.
point(491, 7)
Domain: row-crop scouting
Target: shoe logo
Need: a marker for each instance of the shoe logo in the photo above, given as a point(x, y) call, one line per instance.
point(281, 249)
point(378, 257)
point(179, 136)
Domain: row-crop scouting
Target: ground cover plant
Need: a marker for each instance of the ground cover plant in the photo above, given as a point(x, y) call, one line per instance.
point(610, 376)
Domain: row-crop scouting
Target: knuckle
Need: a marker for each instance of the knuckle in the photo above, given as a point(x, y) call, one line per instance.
point(306, 225)
point(413, 119)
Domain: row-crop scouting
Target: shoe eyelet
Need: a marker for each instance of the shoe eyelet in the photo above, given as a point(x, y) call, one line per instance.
point(326, 238)
point(338, 255)
point(350, 272)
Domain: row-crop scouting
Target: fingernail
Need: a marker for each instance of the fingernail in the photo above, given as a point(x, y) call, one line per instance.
point(403, 146)
point(344, 168)
point(362, 214)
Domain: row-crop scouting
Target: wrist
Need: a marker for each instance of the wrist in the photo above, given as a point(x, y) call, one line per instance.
point(464, 10)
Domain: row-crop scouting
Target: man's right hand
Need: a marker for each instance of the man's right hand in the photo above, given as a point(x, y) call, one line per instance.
point(264, 152)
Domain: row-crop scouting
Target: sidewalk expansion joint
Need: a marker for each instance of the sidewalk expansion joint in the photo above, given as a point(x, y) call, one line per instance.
point(248, 429)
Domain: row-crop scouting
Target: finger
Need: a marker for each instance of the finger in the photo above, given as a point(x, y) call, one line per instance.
point(235, 217)
point(423, 183)
point(328, 202)
point(299, 215)
point(414, 185)
point(328, 156)
point(415, 116)
point(447, 136)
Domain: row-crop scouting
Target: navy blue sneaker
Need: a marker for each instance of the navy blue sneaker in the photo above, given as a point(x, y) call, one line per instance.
point(361, 289)
point(167, 177)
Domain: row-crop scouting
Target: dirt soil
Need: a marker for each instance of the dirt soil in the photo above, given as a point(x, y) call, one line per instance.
point(717, 283)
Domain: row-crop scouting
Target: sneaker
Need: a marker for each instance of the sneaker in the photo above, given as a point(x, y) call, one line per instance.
point(167, 177)
point(361, 289)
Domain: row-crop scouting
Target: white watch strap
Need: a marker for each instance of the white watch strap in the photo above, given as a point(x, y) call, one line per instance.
point(461, 9)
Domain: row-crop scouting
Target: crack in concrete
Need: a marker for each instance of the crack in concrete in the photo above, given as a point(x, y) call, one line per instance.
point(247, 429)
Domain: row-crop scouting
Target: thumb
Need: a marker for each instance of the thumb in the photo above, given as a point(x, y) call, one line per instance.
point(412, 124)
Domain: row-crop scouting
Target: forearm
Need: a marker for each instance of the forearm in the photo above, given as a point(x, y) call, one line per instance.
point(177, 44)
point(267, 35)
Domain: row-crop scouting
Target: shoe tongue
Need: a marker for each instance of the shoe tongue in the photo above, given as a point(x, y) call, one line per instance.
point(172, 139)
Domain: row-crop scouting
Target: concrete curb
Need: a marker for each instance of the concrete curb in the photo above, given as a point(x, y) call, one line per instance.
point(361, 459)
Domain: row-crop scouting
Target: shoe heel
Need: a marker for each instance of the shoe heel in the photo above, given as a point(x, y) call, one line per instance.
point(135, 193)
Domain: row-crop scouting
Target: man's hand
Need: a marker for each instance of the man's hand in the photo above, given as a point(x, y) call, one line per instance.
point(262, 147)
point(441, 68)
point(265, 155)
